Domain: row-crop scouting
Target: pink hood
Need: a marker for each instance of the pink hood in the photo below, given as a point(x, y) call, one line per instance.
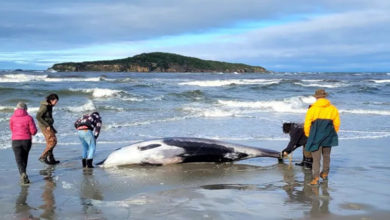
point(22, 125)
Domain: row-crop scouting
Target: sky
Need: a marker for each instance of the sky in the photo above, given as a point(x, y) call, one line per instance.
point(280, 35)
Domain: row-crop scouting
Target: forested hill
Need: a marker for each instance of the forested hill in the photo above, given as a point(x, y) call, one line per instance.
point(157, 62)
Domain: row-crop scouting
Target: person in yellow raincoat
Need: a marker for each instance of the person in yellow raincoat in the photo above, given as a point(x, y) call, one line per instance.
point(321, 125)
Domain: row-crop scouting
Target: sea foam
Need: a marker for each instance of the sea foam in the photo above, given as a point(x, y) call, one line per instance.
point(146, 122)
point(353, 135)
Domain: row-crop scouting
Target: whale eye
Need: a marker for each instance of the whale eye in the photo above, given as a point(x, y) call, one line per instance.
point(150, 146)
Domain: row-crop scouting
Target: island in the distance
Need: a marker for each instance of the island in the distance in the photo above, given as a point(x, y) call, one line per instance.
point(157, 62)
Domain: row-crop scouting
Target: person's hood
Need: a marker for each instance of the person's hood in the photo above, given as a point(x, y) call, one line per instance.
point(322, 102)
point(20, 113)
point(44, 103)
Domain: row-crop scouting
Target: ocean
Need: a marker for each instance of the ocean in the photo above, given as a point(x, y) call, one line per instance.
point(240, 108)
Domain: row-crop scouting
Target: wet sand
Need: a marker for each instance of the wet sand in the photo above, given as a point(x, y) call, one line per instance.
point(254, 189)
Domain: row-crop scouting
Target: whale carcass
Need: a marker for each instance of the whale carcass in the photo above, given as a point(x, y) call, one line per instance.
point(183, 150)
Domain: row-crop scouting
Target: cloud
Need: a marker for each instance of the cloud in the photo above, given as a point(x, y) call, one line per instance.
point(277, 34)
point(334, 42)
point(61, 24)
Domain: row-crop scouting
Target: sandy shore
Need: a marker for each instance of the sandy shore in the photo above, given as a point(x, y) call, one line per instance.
point(253, 189)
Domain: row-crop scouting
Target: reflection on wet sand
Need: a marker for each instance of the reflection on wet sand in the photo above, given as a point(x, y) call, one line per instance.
point(320, 202)
point(182, 173)
point(89, 191)
point(132, 180)
point(22, 209)
point(300, 191)
point(47, 196)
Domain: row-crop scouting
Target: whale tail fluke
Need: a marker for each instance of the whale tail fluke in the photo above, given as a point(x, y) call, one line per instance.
point(101, 162)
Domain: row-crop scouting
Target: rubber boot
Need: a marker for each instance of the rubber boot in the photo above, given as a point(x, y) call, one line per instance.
point(24, 179)
point(280, 159)
point(44, 160)
point(315, 181)
point(89, 163)
point(308, 163)
point(51, 158)
point(324, 176)
point(302, 163)
point(84, 162)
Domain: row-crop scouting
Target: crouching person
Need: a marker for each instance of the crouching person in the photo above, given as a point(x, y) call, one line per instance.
point(22, 126)
point(297, 139)
point(88, 127)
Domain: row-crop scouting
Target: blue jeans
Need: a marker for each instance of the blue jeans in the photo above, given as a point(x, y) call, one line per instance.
point(89, 143)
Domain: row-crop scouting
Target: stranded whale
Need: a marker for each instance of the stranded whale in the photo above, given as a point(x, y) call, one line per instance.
point(183, 150)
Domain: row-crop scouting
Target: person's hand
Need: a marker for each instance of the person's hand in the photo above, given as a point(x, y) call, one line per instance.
point(284, 154)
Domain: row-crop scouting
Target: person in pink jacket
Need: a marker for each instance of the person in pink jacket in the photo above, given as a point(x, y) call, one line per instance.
point(22, 126)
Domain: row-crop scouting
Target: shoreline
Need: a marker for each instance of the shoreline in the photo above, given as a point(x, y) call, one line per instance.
point(67, 191)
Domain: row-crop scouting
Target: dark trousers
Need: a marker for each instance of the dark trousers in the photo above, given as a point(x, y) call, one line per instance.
point(21, 149)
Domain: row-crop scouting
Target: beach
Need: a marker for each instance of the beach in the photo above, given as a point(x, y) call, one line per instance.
point(239, 108)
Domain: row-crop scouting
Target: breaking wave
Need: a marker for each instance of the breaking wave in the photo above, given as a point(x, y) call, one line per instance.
point(12, 109)
point(296, 105)
point(108, 93)
point(9, 78)
point(381, 81)
point(291, 105)
point(219, 83)
point(89, 106)
point(320, 83)
point(7, 108)
point(98, 93)
point(365, 112)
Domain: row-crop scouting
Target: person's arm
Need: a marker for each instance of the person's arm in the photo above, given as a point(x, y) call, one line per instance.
point(41, 111)
point(77, 123)
point(98, 125)
point(336, 121)
point(294, 138)
point(32, 126)
point(11, 125)
point(308, 121)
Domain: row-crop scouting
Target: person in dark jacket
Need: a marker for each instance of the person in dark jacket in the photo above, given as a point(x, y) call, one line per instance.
point(22, 127)
point(88, 127)
point(322, 123)
point(45, 123)
point(297, 139)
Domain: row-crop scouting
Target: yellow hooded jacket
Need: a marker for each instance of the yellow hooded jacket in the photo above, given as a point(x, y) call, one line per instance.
point(321, 109)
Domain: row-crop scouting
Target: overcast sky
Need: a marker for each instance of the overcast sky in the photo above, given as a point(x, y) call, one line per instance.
point(280, 35)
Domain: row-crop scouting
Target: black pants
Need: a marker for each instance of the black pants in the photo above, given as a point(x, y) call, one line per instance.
point(21, 149)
